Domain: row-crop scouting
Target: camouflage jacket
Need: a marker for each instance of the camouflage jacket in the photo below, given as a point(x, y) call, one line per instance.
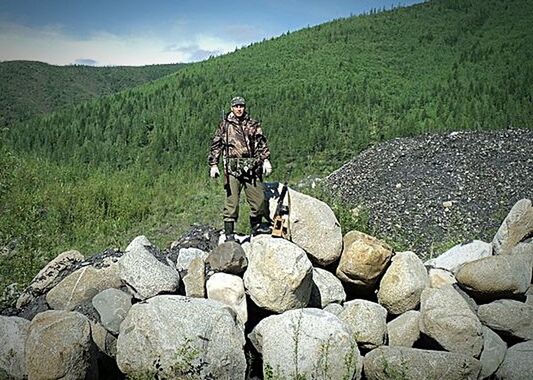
point(238, 139)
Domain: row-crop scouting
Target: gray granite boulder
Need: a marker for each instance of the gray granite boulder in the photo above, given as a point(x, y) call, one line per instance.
point(313, 226)
point(508, 317)
point(82, 285)
point(523, 248)
point(517, 225)
point(496, 276)
point(279, 276)
point(59, 346)
point(194, 280)
point(173, 337)
point(455, 257)
point(112, 305)
point(334, 308)
point(13, 334)
point(415, 364)
point(49, 276)
point(186, 256)
point(144, 275)
point(402, 283)
point(439, 277)
point(103, 339)
point(229, 289)
point(363, 259)
point(228, 257)
point(446, 317)
point(367, 321)
point(518, 363)
point(326, 289)
point(307, 344)
point(472, 304)
point(404, 330)
point(494, 349)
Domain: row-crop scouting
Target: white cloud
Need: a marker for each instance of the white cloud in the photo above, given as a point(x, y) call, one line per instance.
point(52, 45)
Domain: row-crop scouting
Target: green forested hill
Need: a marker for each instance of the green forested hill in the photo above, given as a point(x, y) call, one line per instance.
point(29, 88)
point(101, 172)
point(322, 92)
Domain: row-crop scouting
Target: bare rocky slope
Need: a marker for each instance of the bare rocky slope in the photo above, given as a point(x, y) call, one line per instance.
point(426, 193)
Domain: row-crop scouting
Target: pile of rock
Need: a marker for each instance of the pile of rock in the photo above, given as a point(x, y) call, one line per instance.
point(421, 191)
point(320, 306)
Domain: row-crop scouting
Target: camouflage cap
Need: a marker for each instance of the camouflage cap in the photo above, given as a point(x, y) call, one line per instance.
point(238, 100)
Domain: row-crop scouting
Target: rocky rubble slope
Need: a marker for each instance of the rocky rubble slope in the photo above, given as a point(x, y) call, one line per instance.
point(428, 191)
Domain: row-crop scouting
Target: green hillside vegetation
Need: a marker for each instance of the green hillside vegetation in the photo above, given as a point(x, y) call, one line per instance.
point(28, 88)
point(100, 173)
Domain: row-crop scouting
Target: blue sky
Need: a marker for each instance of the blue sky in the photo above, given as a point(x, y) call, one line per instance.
point(136, 32)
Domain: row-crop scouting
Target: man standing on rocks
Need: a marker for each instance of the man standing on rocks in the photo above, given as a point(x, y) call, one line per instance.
point(241, 141)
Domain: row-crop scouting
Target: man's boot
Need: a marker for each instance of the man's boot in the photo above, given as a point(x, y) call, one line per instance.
point(258, 227)
point(228, 231)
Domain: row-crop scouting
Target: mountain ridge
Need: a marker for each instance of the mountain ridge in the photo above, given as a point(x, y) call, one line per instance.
point(32, 88)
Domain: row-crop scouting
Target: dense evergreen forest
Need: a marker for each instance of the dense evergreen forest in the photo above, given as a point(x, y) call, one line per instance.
point(96, 174)
point(28, 88)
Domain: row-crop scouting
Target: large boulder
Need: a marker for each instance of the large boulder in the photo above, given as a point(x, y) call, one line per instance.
point(517, 225)
point(112, 305)
point(368, 321)
point(496, 276)
point(446, 317)
point(82, 285)
point(59, 346)
point(13, 333)
point(363, 259)
point(307, 344)
point(143, 273)
point(469, 300)
point(186, 256)
point(194, 279)
point(402, 283)
point(404, 330)
point(229, 289)
point(176, 337)
point(414, 364)
point(334, 308)
point(494, 349)
point(227, 257)
point(313, 225)
point(518, 363)
point(440, 277)
point(326, 289)
point(103, 339)
point(455, 257)
point(523, 248)
point(49, 276)
point(279, 276)
point(508, 317)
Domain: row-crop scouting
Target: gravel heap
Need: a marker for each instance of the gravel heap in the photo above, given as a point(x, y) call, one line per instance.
point(201, 236)
point(428, 192)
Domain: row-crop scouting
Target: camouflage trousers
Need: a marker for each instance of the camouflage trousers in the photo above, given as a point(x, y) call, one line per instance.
point(255, 196)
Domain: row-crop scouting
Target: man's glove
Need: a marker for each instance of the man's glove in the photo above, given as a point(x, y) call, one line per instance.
point(267, 168)
point(214, 172)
